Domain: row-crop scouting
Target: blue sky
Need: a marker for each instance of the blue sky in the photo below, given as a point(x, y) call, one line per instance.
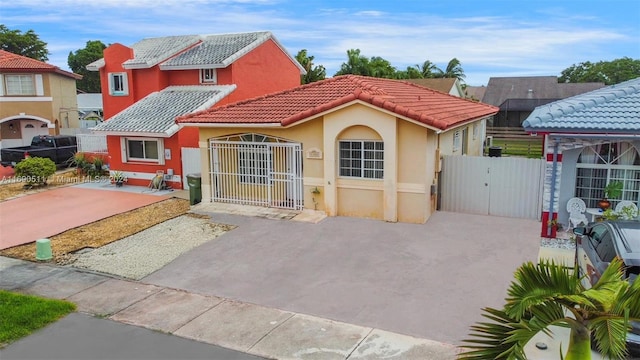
point(490, 38)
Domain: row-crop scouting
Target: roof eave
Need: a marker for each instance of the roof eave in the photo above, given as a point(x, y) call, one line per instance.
point(172, 130)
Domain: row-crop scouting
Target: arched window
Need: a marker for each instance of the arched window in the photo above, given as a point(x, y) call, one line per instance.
point(29, 126)
point(600, 164)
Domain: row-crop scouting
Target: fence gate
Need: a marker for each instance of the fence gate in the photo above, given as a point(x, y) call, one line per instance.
point(501, 186)
point(261, 173)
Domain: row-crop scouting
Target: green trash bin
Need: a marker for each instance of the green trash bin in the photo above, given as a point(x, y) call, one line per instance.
point(195, 188)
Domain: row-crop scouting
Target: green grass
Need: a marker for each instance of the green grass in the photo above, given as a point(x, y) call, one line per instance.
point(519, 147)
point(20, 315)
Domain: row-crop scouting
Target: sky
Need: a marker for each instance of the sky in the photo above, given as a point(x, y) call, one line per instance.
point(491, 38)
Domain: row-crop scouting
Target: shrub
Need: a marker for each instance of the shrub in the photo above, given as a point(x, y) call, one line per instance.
point(35, 170)
point(80, 161)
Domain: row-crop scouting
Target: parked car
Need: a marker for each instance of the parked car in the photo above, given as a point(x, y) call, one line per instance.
point(58, 148)
point(596, 245)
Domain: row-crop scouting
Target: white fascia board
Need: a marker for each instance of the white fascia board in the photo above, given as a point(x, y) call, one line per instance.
point(135, 133)
point(234, 125)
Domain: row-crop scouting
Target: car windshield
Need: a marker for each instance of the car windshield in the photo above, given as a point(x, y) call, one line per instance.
point(631, 236)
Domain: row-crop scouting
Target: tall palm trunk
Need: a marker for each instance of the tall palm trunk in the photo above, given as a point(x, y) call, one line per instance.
point(579, 343)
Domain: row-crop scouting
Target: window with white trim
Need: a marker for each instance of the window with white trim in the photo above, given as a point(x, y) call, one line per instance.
point(457, 140)
point(253, 164)
point(476, 130)
point(19, 84)
point(361, 159)
point(208, 76)
point(148, 150)
point(118, 85)
point(601, 164)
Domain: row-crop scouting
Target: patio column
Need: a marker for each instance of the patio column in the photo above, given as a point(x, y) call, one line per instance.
point(551, 187)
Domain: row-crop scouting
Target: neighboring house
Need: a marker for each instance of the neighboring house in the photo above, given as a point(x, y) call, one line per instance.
point(36, 98)
point(450, 86)
point(474, 92)
point(90, 109)
point(145, 86)
point(518, 96)
point(349, 145)
point(591, 139)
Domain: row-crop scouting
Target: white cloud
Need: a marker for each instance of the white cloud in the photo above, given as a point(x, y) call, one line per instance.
point(484, 44)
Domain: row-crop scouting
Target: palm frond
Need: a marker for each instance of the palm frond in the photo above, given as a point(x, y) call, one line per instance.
point(490, 339)
point(610, 336)
point(538, 284)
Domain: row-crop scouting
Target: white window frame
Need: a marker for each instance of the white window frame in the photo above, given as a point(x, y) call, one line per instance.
point(254, 164)
point(457, 140)
point(21, 85)
point(592, 176)
point(208, 76)
point(118, 84)
point(364, 163)
point(476, 130)
point(128, 158)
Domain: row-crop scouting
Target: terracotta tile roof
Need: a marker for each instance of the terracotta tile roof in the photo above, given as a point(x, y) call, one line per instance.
point(430, 107)
point(14, 63)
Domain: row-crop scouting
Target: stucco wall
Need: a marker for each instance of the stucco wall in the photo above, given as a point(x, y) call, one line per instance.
point(409, 168)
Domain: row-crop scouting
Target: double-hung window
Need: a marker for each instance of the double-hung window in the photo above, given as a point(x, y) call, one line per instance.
point(17, 85)
point(118, 85)
point(362, 159)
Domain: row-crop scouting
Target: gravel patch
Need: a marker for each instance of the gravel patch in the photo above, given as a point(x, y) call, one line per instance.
point(139, 255)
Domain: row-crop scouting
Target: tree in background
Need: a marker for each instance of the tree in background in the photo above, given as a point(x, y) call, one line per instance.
point(78, 61)
point(381, 68)
point(26, 44)
point(608, 72)
point(356, 64)
point(454, 70)
point(314, 73)
point(429, 70)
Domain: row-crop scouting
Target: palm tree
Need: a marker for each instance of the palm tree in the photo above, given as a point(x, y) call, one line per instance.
point(454, 70)
point(547, 295)
point(356, 64)
point(429, 70)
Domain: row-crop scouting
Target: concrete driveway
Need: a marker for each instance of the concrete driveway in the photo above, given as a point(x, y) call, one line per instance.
point(428, 280)
point(29, 218)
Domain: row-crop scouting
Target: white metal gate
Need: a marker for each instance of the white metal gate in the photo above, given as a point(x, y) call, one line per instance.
point(260, 173)
point(501, 186)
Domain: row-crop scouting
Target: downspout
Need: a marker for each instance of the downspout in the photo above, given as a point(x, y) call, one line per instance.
point(552, 193)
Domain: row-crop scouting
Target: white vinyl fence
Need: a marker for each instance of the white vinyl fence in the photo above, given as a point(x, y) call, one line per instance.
point(92, 143)
point(501, 186)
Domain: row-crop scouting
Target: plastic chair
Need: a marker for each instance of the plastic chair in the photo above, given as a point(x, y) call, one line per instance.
point(576, 208)
point(627, 215)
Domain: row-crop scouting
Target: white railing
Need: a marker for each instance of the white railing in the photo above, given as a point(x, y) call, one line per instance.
point(92, 143)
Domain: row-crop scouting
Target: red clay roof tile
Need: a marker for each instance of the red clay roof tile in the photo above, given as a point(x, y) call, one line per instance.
point(427, 106)
point(10, 62)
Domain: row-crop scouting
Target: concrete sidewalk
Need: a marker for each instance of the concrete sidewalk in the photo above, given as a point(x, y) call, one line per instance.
point(244, 327)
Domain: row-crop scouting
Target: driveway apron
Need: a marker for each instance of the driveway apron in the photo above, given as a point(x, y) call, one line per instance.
point(428, 280)
point(29, 218)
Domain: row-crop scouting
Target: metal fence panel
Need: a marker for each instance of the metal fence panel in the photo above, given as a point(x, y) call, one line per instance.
point(93, 143)
point(501, 186)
